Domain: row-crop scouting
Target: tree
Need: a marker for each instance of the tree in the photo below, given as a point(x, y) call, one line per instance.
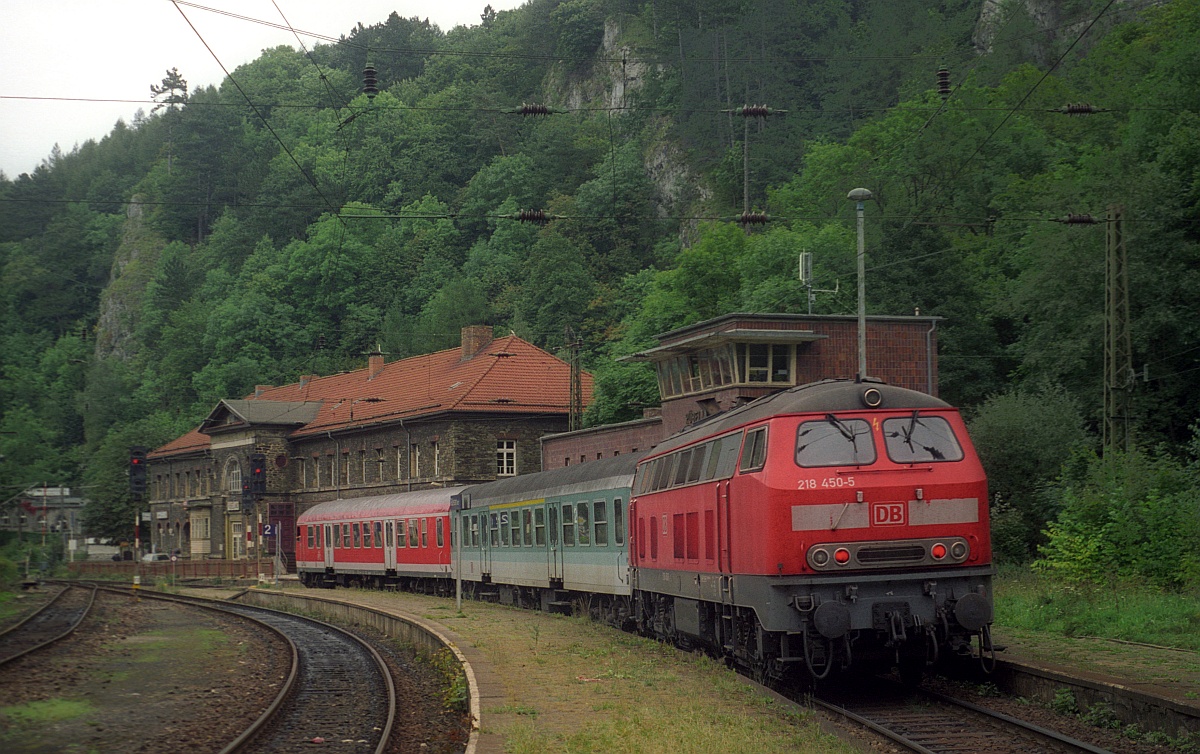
point(172, 93)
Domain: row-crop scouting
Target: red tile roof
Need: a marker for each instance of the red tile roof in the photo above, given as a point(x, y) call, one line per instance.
point(508, 376)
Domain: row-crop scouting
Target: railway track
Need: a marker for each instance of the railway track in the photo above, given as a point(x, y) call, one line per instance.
point(339, 693)
point(930, 723)
point(55, 620)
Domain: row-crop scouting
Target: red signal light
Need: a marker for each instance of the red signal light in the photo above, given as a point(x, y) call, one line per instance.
point(938, 551)
point(841, 556)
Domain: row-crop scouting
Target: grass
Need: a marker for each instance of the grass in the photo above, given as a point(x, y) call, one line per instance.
point(1128, 612)
point(45, 712)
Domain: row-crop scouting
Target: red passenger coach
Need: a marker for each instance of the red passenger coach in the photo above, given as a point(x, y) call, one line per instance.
point(390, 540)
point(831, 523)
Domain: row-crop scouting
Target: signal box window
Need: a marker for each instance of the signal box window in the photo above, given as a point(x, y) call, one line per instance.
point(920, 439)
point(834, 442)
point(754, 450)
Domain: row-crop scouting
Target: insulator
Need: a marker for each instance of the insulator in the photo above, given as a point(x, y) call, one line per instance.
point(753, 218)
point(534, 109)
point(943, 82)
point(1079, 108)
point(754, 111)
point(1079, 219)
point(370, 83)
point(535, 216)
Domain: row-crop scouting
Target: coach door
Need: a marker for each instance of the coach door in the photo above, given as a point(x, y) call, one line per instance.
point(554, 542)
point(389, 545)
point(328, 549)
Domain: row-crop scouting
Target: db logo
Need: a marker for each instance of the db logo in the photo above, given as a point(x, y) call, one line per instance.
point(888, 514)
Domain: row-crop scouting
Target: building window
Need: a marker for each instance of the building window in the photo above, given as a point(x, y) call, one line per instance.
point(344, 470)
point(436, 458)
point(414, 461)
point(506, 457)
point(362, 466)
point(379, 464)
point(233, 480)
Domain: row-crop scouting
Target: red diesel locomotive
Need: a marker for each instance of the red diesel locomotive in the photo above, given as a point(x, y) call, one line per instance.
point(832, 522)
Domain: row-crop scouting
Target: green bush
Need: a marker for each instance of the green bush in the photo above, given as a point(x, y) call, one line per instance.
point(1126, 516)
point(1023, 438)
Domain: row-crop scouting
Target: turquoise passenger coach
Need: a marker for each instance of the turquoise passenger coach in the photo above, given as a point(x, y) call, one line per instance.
point(550, 540)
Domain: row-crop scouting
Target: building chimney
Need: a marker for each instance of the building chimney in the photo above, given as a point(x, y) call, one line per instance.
point(307, 378)
point(260, 389)
point(374, 364)
point(475, 338)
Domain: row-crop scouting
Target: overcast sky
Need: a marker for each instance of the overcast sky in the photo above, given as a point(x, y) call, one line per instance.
point(115, 49)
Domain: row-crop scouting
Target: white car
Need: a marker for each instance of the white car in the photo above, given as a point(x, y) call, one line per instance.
point(155, 557)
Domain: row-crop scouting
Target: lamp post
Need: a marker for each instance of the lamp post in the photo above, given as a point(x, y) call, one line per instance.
point(859, 196)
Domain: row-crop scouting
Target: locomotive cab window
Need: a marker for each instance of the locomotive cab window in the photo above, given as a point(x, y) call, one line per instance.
point(754, 450)
point(920, 439)
point(834, 442)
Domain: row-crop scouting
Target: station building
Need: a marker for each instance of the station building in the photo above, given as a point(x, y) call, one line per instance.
point(459, 416)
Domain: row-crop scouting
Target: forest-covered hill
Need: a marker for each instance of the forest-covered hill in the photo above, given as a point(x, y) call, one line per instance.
point(286, 222)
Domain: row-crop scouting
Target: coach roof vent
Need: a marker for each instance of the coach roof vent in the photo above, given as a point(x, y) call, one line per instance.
point(475, 338)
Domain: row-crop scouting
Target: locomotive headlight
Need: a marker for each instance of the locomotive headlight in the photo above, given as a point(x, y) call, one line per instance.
point(841, 556)
point(958, 550)
point(938, 551)
point(820, 557)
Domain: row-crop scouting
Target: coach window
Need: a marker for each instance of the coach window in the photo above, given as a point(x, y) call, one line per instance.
point(337, 536)
point(495, 529)
point(401, 529)
point(357, 534)
point(413, 540)
point(697, 464)
point(379, 534)
point(754, 450)
point(527, 527)
point(441, 537)
point(834, 442)
point(682, 466)
point(424, 532)
point(600, 521)
point(920, 439)
point(583, 524)
point(310, 539)
point(328, 536)
point(474, 531)
point(618, 522)
point(515, 522)
point(568, 515)
point(539, 527)
point(505, 530)
point(387, 534)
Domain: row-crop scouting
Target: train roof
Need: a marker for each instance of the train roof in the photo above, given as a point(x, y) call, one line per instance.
point(397, 505)
point(601, 474)
point(814, 397)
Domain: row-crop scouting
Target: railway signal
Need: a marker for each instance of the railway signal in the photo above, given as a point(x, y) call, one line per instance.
point(137, 471)
point(258, 475)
